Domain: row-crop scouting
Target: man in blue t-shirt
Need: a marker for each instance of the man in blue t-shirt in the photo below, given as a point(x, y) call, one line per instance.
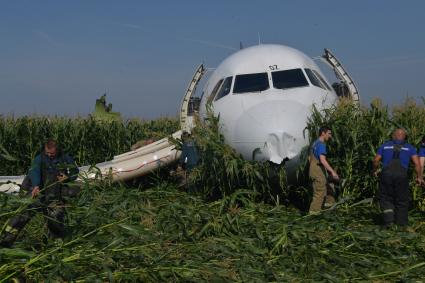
point(395, 156)
point(319, 166)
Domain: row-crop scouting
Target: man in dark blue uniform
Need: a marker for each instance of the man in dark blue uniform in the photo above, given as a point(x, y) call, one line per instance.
point(47, 182)
point(189, 158)
point(394, 183)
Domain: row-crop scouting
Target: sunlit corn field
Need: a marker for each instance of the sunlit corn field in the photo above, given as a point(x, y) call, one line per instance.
point(234, 221)
point(88, 140)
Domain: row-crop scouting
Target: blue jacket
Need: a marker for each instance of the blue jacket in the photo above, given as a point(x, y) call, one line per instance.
point(42, 165)
point(189, 157)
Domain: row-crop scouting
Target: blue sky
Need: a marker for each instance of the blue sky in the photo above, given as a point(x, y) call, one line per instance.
point(57, 57)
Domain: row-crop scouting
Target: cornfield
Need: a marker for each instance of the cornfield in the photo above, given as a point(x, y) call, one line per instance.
point(238, 222)
point(357, 134)
point(88, 140)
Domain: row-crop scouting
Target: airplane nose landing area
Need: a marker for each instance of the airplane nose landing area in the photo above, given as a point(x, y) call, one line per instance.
point(271, 130)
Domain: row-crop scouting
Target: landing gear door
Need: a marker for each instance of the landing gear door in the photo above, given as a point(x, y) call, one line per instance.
point(346, 87)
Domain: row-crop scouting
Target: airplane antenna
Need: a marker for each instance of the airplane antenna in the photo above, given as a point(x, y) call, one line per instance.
point(240, 45)
point(259, 39)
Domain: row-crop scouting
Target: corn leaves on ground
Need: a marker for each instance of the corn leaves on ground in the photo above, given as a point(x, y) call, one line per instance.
point(165, 235)
point(232, 226)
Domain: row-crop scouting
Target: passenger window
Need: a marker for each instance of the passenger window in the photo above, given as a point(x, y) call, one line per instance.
point(289, 79)
point(225, 88)
point(251, 83)
point(214, 92)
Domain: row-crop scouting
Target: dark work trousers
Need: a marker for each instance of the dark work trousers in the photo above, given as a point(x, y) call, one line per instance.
point(394, 196)
point(51, 203)
point(53, 211)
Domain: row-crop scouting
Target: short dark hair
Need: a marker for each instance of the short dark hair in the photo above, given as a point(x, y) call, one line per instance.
point(324, 129)
point(423, 139)
point(51, 143)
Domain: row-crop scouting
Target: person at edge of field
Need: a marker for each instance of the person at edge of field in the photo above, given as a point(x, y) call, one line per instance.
point(422, 154)
point(393, 194)
point(48, 183)
point(189, 157)
point(323, 192)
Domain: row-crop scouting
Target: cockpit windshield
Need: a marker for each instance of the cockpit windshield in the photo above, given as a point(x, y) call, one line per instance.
point(289, 79)
point(251, 83)
point(314, 79)
point(214, 92)
point(322, 80)
point(224, 89)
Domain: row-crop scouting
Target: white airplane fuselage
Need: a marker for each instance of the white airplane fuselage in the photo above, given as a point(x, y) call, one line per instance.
point(264, 95)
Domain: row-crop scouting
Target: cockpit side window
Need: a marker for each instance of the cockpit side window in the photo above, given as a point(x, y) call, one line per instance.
point(289, 79)
point(314, 79)
point(214, 92)
point(322, 80)
point(251, 83)
point(224, 89)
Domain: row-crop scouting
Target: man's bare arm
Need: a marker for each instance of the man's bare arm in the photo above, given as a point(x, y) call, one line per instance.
point(376, 164)
point(35, 191)
point(327, 166)
point(422, 162)
point(418, 168)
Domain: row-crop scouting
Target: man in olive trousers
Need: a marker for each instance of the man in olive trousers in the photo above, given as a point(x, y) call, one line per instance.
point(323, 192)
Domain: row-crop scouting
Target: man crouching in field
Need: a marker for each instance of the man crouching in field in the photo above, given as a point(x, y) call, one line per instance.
point(394, 183)
point(47, 180)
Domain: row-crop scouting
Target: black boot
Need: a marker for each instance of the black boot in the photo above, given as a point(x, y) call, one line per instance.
point(7, 239)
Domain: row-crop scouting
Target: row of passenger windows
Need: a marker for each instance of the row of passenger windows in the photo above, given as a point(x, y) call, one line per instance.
point(260, 82)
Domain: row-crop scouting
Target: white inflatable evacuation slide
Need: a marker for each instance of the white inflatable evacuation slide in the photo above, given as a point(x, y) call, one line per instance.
point(134, 163)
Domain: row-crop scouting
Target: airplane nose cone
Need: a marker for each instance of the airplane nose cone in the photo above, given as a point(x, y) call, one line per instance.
point(272, 130)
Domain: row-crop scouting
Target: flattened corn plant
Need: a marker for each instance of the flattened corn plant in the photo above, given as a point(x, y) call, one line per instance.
point(157, 233)
point(160, 234)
